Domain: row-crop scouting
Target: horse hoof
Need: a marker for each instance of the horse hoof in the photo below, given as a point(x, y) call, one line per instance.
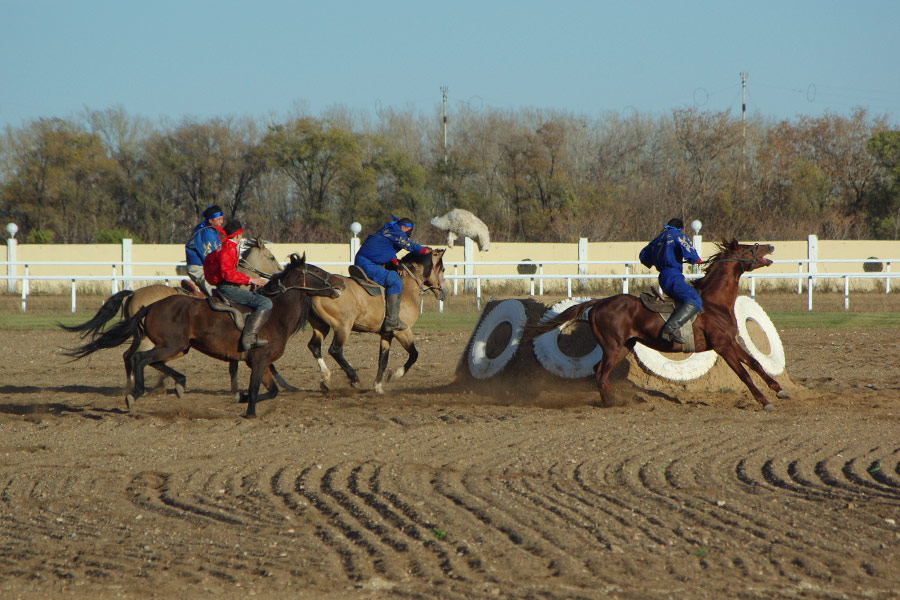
point(379, 389)
point(179, 390)
point(782, 394)
point(324, 387)
point(129, 402)
point(236, 399)
point(248, 415)
point(769, 407)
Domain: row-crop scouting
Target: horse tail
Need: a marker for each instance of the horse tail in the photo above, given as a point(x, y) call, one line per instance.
point(112, 337)
point(107, 311)
point(571, 314)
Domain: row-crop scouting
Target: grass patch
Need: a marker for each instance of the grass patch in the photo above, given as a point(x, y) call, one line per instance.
point(28, 321)
point(844, 320)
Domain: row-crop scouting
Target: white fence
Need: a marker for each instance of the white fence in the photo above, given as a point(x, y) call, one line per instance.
point(534, 282)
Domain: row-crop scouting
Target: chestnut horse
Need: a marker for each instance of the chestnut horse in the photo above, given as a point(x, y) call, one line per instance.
point(619, 322)
point(255, 259)
point(357, 310)
point(178, 323)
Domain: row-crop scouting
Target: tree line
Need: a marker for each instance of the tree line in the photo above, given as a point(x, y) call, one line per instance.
point(530, 175)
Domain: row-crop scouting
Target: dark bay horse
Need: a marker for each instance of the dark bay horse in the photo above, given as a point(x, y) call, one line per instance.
point(356, 310)
point(619, 322)
point(178, 323)
point(255, 259)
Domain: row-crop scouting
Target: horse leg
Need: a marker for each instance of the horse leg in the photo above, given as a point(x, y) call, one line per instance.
point(747, 359)
point(179, 378)
point(384, 352)
point(156, 356)
point(280, 380)
point(336, 350)
point(268, 380)
point(233, 376)
point(408, 343)
point(258, 368)
point(320, 330)
point(611, 357)
point(731, 358)
point(139, 360)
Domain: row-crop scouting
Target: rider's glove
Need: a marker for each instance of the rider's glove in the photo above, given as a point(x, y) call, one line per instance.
point(425, 250)
point(394, 262)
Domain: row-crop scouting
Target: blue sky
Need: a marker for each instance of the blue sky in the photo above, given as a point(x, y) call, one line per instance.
point(202, 59)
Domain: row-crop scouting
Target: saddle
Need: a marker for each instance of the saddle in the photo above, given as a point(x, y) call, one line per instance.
point(664, 308)
point(360, 277)
point(238, 312)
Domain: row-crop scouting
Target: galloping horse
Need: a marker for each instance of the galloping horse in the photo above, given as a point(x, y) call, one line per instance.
point(255, 259)
point(178, 323)
point(618, 322)
point(357, 310)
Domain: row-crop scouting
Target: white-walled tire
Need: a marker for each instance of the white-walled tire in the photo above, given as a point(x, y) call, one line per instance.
point(693, 367)
point(747, 309)
point(547, 352)
point(508, 311)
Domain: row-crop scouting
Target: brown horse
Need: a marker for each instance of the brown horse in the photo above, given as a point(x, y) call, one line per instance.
point(256, 259)
point(178, 323)
point(618, 322)
point(357, 310)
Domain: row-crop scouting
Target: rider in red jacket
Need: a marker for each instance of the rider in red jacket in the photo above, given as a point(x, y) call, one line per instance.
point(219, 269)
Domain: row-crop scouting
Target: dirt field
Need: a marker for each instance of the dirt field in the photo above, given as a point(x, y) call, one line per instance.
point(437, 490)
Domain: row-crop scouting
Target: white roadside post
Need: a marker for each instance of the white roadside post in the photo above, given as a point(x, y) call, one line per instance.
point(12, 229)
point(698, 240)
point(355, 228)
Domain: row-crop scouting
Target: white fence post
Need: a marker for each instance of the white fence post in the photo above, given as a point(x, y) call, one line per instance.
point(812, 266)
point(126, 263)
point(582, 260)
point(469, 263)
point(354, 248)
point(10, 268)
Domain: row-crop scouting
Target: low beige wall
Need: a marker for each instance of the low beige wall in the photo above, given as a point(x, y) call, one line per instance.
point(334, 257)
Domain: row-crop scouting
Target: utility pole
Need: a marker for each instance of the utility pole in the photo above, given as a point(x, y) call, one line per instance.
point(743, 111)
point(444, 92)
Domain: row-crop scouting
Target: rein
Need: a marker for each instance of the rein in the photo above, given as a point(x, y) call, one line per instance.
point(423, 289)
point(754, 257)
point(283, 288)
point(242, 263)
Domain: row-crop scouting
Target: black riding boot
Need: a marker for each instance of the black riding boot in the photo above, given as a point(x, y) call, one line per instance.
point(392, 320)
point(250, 334)
point(681, 315)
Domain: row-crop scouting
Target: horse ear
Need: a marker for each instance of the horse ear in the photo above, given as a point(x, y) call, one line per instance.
point(259, 243)
point(303, 258)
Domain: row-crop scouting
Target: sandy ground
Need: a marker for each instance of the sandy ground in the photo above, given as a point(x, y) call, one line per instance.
point(439, 490)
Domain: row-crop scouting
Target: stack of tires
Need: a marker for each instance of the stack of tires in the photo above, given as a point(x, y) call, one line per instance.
point(496, 347)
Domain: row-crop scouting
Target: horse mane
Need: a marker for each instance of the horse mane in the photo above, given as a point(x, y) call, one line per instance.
point(419, 259)
point(725, 248)
point(249, 246)
point(273, 287)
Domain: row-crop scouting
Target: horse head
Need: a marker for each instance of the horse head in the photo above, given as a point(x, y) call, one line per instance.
point(427, 270)
point(258, 259)
point(436, 278)
point(750, 256)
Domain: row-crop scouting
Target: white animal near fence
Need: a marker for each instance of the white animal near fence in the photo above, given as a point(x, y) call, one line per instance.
point(461, 223)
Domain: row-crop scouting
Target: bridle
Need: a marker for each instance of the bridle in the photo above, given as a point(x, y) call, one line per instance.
point(754, 256)
point(281, 288)
point(423, 289)
point(242, 263)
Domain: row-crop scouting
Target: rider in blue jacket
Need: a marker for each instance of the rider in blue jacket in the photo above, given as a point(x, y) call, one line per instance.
point(380, 249)
point(205, 239)
point(667, 252)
